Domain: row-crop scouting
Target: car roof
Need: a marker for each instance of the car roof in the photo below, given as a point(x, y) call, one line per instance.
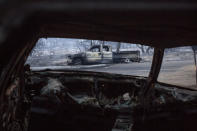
point(157, 23)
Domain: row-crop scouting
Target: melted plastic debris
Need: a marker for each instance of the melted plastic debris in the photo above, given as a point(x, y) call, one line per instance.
point(52, 88)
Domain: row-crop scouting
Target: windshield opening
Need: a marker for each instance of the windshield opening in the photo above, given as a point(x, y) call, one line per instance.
point(91, 55)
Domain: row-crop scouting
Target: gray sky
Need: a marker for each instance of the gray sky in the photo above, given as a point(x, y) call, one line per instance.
point(69, 43)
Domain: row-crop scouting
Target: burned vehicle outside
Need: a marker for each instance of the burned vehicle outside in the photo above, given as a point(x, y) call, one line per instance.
point(37, 99)
point(103, 54)
point(127, 56)
point(96, 54)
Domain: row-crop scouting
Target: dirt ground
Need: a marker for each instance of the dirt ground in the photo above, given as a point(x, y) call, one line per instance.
point(182, 69)
point(184, 76)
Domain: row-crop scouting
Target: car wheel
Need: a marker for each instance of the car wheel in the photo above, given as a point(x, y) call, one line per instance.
point(127, 60)
point(77, 61)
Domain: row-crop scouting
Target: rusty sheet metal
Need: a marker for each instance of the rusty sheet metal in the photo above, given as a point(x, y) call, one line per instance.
point(12, 87)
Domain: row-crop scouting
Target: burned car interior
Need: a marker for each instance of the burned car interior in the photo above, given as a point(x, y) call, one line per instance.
point(37, 100)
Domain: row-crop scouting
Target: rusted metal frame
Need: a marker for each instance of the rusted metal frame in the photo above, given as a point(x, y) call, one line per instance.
point(155, 69)
point(12, 80)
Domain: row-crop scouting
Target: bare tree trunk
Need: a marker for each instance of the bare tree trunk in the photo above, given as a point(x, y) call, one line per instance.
point(194, 48)
point(118, 47)
point(195, 64)
point(148, 50)
point(141, 47)
point(103, 43)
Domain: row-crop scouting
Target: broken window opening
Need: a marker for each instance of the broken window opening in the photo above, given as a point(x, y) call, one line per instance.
point(178, 67)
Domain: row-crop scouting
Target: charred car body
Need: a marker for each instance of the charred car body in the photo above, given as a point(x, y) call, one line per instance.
point(96, 54)
point(87, 101)
point(103, 54)
point(126, 56)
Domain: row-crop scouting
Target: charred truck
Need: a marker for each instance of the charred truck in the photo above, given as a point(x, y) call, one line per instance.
point(103, 54)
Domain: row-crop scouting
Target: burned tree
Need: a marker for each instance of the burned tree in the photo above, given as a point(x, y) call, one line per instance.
point(144, 49)
point(118, 47)
point(194, 48)
point(84, 45)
